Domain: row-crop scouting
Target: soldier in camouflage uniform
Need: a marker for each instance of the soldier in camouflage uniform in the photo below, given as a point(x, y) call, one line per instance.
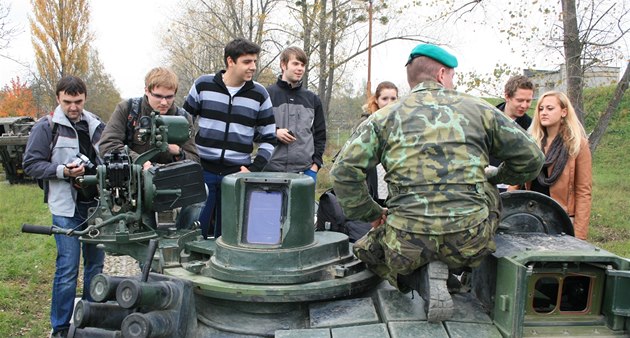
point(443, 208)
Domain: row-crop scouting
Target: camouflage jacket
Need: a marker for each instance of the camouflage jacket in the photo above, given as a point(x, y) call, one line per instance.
point(434, 145)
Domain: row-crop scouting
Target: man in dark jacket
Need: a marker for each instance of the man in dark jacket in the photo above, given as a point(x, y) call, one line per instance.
point(518, 93)
point(233, 112)
point(51, 154)
point(160, 88)
point(299, 118)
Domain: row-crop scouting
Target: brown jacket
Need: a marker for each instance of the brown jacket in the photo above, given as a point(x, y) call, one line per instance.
point(573, 189)
point(115, 138)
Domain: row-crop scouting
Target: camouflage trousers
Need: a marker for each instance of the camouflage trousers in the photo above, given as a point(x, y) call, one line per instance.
point(391, 252)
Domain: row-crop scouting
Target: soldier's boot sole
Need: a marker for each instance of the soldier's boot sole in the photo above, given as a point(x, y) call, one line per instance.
point(438, 303)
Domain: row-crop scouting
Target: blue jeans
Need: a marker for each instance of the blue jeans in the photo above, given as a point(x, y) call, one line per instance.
point(213, 205)
point(67, 269)
point(188, 215)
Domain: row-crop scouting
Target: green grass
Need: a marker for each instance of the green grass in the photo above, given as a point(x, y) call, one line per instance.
point(27, 263)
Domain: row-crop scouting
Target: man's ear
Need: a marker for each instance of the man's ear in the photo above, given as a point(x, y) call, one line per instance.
point(440, 75)
point(230, 61)
point(283, 66)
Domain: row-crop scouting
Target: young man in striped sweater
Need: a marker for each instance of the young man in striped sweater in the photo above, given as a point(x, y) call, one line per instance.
point(233, 112)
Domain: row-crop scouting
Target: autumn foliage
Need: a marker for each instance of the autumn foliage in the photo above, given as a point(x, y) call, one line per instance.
point(17, 100)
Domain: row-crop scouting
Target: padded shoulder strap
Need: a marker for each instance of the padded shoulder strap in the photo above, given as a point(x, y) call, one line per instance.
point(133, 111)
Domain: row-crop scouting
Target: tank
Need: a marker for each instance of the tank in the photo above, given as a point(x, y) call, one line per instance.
point(271, 274)
point(14, 133)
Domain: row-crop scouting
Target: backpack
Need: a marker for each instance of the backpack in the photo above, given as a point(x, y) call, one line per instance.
point(133, 111)
point(329, 211)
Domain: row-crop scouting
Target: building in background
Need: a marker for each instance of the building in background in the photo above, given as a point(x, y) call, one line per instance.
point(546, 80)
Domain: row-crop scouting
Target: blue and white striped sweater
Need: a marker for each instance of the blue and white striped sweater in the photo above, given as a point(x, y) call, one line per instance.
point(229, 126)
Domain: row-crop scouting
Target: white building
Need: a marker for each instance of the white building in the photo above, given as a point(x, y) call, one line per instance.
point(546, 80)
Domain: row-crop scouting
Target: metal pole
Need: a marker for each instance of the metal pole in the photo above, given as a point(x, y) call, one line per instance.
point(368, 90)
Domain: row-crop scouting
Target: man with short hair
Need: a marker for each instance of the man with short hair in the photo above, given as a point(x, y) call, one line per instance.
point(442, 210)
point(518, 93)
point(52, 148)
point(160, 88)
point(301, 127)
point(233, 112)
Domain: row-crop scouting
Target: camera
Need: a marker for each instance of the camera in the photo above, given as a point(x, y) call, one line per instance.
point(82, 159)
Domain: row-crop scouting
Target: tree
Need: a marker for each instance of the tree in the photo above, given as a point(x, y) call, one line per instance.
point(602, 123)
point(17, 100)
point(197, 37)
point(587, 39)
point(102, 94)
point(61, 40)
point(7, 31)
point(586, 34)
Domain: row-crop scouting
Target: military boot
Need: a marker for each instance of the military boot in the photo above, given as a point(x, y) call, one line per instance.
point(430, 282)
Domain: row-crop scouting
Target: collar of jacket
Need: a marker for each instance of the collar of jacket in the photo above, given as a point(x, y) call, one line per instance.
point(427, 85)
point(218, 79)
point(285, 85)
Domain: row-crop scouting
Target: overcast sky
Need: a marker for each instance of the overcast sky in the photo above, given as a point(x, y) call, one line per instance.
point(127, 37)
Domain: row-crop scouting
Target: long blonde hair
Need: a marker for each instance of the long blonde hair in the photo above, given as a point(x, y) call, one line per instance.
point(571, 130)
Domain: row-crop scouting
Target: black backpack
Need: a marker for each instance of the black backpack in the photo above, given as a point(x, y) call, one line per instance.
point(329, 211)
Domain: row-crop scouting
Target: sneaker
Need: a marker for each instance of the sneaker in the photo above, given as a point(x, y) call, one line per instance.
point(432, 288)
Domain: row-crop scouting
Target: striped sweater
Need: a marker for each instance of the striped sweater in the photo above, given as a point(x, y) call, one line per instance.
point(229, 125)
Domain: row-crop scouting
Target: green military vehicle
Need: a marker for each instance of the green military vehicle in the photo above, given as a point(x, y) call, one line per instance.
point(271, 274)
point(13, 137)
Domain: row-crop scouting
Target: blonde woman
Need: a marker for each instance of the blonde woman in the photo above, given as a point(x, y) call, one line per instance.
point(567, 175)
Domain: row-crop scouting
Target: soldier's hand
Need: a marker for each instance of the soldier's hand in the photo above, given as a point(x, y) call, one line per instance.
point(491, 171)
point(244, 169)
point(285, 136)
point(381, 220)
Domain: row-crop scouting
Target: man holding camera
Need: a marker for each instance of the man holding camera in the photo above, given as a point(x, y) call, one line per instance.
point(60, 148)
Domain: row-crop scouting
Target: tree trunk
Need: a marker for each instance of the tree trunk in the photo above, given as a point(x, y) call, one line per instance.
point(331, 61)
point(604, 120)
point(573, 57)
point(324, 34)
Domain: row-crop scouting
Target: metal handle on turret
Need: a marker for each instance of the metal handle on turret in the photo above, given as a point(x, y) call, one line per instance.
point(153, 244)
point(37, 229)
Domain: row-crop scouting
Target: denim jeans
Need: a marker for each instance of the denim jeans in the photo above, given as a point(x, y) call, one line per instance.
point(188, 215)
point(67, 269)
point(213, 205)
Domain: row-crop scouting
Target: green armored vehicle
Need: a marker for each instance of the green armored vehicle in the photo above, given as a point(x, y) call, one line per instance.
point(13, 136)
point(271, 275)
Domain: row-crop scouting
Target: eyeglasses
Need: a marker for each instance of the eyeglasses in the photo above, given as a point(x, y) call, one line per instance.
point(162, 97)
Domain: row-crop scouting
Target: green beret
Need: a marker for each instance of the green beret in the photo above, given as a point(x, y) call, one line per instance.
point(436, 53)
